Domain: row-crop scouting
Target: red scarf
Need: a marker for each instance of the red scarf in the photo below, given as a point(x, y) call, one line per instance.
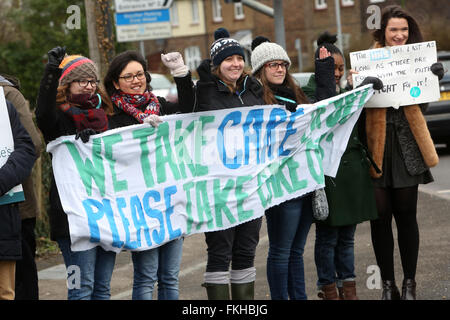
point(138, 106)
point(82, 109)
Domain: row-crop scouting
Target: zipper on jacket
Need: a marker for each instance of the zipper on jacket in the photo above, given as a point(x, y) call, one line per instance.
point(237, 92)
point(245, 88)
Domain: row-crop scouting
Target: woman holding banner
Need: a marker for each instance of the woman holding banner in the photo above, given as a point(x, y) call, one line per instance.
point(128, 83)
point(224, 84)
point(71, 102)
point(401, 145)
point(288, 223)
point(349, 195)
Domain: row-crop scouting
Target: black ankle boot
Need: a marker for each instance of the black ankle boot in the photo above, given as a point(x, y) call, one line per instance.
point(409, 289)
point(390, 291)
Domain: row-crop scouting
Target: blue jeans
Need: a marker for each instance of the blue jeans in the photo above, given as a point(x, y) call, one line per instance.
point(288, 225)
point(89, 272)
point(160, 264)
point(334, 254)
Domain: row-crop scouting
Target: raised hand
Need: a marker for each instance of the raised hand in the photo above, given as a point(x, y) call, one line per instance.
point(174, 61)
point(204, 71)
point(56, 55)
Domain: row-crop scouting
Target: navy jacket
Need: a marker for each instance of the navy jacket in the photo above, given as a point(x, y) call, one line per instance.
point(16, 169)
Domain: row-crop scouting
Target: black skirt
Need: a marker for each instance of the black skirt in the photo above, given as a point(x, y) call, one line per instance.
point(395, 174)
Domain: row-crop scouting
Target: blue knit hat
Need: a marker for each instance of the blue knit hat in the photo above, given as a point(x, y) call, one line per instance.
point(224, 46)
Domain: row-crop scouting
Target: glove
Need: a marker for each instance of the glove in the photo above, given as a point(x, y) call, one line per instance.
point(174, 61)
point(377, 83)
point(438, 69)
point(153, 120)
point(56, 55)
point(85, 134)
point(292, 107)
point(204, 71)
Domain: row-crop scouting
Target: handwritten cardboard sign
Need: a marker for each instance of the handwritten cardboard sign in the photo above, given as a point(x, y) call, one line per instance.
point(404, 70)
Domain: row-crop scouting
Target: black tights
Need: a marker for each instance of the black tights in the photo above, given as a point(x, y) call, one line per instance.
point(402, 204)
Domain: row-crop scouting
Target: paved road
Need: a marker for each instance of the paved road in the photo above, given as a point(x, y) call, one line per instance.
point(433, 270)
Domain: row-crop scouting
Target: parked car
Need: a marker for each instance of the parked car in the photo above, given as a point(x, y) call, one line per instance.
point(438, 113)
point(302, 78)
point(162, 87)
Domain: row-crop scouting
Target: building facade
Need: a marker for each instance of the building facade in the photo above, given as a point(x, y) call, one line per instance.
point(194, 23)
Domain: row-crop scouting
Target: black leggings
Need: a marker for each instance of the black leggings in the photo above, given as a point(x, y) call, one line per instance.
point(402, 204)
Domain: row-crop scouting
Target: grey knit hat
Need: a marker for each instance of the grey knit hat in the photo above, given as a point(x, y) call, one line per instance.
point(266, 52)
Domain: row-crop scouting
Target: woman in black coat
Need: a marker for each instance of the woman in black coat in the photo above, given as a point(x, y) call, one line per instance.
point(71, 102)
point(129, 84)
point(12, 173)
point(223, 84)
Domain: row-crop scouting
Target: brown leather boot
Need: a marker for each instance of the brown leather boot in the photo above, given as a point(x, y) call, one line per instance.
point(349, 289)
point(329, 292)
point(341, 293)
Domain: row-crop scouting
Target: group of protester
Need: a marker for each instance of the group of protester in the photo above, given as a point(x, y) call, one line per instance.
point(71, 101)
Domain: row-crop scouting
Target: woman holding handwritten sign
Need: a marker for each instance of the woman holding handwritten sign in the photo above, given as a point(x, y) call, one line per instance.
point(401, 145)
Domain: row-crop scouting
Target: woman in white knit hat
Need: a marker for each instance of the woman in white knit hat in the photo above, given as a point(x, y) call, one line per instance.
point(288, 224)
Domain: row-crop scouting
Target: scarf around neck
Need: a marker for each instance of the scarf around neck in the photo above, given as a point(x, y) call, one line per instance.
point(85, 111)
point(138, 106)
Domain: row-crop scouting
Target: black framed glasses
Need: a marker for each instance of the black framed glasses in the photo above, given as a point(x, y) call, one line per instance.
point(276, 65)
point(84, 83)
point(130, 77)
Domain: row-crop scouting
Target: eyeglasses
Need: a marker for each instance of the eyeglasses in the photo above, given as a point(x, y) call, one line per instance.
point(84, 83)
point(275, 65)
point(130, 77)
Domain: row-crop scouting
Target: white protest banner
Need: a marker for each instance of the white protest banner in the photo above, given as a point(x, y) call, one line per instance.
point(6, 148)
point(404, 70)
point(138, 187)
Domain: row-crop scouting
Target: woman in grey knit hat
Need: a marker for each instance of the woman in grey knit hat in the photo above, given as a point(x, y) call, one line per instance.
point(288, 224)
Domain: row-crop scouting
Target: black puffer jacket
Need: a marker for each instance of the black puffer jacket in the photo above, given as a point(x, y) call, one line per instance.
point(213, 94)
point(16, 169)
point(53, 123)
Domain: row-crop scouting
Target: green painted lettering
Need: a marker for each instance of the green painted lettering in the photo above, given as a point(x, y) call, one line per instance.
point(109, 141)
point(90, 170)
point(142, 135)
point(220, 201)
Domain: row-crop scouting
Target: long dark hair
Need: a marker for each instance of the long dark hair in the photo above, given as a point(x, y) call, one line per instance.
point(118, 64)
point(395, 11)
point(289, 82)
